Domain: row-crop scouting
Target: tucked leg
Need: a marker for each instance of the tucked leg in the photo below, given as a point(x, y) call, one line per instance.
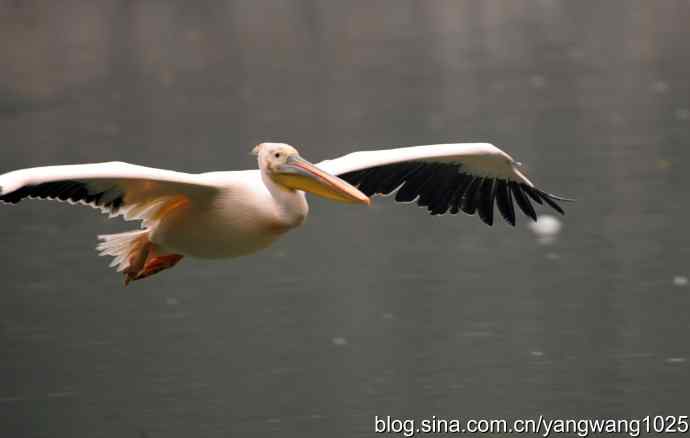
point(147, 262)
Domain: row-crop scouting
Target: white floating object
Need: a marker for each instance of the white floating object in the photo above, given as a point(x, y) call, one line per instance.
point(676, 360)
point(339, 341)
point(546, 228)
point(537, 81)
point(680, 281)
point(617, 119)
point(683, 114)
point(660, 87)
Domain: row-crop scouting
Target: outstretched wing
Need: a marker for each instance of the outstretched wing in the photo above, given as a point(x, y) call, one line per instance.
point(116, 188)
point(466, 177)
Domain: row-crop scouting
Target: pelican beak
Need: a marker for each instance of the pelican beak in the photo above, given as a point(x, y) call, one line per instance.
point(299, 174)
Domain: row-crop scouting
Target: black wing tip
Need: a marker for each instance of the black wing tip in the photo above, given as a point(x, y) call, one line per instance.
point(486, 193)
point(444, 187)
point(550, 200)
point(10, 197)
point(504, 202)
point(66, 190)
point(538, 196)
point(510, 220)
point(559, 198)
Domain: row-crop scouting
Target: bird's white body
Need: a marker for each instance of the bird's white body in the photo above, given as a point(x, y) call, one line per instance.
point(242, 217)
point(231, 214)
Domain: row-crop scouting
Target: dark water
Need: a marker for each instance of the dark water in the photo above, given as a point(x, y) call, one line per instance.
point(362, 312)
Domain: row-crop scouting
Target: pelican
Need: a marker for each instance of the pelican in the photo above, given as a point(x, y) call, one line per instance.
point(235, 213)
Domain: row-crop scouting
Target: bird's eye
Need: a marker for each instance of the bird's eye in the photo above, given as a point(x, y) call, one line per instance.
point(277, 155)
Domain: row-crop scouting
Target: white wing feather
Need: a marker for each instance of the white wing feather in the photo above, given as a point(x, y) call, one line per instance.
point(141, 190)
point(479, 159)
point(468, 177)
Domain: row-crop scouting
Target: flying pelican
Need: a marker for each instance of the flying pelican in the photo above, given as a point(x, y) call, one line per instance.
point(236, 213)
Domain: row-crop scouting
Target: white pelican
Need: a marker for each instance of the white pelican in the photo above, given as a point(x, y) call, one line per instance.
point(231, 214)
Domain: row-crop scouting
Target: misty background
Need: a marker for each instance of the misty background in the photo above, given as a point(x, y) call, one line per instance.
point(362, 312)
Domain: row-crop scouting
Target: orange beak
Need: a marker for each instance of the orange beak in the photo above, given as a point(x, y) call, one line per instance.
point(299, 174)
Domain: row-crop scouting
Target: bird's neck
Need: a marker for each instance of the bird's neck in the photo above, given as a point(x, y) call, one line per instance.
point(291, 204)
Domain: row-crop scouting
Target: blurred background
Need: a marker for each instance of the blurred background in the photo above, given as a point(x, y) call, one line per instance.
point(362, 312)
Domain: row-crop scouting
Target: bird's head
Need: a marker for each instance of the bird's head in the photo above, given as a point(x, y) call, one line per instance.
point(283, 164)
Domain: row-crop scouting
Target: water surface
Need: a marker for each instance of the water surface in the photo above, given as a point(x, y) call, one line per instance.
point(363, 312)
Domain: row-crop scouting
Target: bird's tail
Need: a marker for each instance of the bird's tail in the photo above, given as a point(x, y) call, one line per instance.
point(135, 255)
point(122, 247)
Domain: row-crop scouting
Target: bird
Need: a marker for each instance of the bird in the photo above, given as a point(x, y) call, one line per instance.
point(226, 214)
